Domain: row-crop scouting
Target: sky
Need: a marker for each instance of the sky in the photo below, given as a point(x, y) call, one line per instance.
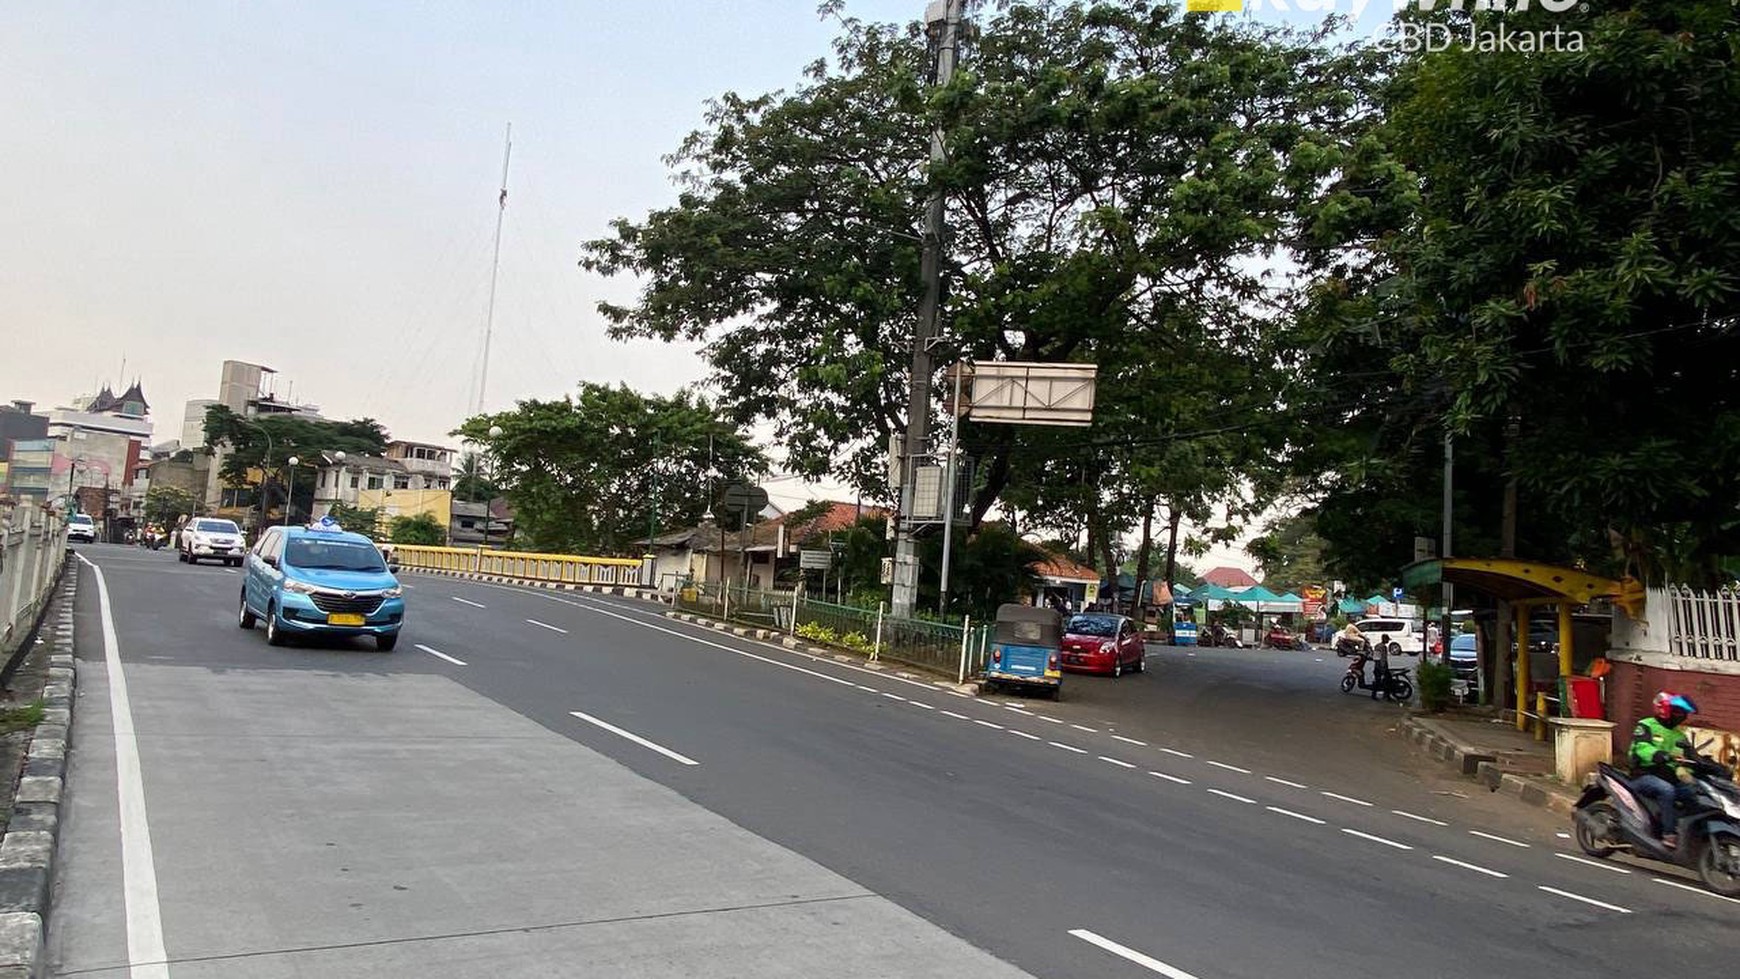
point(313, 187)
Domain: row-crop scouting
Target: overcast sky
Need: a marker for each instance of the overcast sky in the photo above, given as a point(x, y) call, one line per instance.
point(312, 186)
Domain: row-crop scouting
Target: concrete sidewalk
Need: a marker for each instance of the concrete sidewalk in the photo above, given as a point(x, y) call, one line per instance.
point(1491, 750)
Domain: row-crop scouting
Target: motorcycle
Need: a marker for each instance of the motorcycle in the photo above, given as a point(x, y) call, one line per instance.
point(1220, 636)
point(1282, 638)
point(1396, 687)
point(1611, 817)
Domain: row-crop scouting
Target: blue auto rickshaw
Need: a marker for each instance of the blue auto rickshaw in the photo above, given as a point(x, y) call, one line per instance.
point(1026, 648)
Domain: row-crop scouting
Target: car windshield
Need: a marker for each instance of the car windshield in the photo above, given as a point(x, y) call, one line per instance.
point(80, 518)
point(1092, 625)
point(216, 527)
point(1462, 644)
point(333, 555)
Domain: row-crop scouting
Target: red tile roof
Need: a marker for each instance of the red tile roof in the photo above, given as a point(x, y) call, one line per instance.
point(1060, 566)
point(1227, 577)
point(839, 516)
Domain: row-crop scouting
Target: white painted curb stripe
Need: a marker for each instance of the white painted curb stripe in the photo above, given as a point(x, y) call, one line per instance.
point(145, 953)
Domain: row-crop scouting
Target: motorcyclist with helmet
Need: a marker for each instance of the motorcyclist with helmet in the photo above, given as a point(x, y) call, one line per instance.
point(1659, 750)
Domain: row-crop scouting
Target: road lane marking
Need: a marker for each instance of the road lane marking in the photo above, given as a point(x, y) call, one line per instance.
point(467, 601)
point(1120, 737)
point(1282, 781)
point(894, 696)
point(1115, 761)
point(1024, 734)
point(442, 655)
point(1375, 839)
point(860, 686)
point(1051, 720)
point(1419, 819)
point(990, 724)
point(145, 953)
point(1067, 747)
point(1592, 863)
point(1235, 798)
point(1230, 768)
point(921, 704)
point(1170, 778)
point(230, 571)
point(1131, 955)
point(1175, 751)
point(1585, 900)
point(1018, 710)
point(1090, 730)
point(1295, 815)
point(1694, 890)
point(959, 717)
point(637, 739)
point(1347, 798)
point(1469, 866)
point(546, 625)
point(1500, 839)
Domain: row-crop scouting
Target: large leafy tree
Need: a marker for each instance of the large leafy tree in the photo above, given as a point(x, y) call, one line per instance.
point(1545, 261)
point(266, 442)
point(587, 473)
point(1116, 174)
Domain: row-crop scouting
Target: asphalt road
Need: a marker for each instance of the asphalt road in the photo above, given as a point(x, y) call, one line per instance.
point(544, 783)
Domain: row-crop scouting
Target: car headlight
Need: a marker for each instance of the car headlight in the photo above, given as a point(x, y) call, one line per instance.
point(300, 587)
point(1106, 647)
point(393, 592)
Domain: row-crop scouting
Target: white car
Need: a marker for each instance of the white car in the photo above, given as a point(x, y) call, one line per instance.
point(1400, 632)
point(206, 537)
point(81, 527)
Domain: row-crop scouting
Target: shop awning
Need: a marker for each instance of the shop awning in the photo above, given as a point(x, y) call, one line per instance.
point(1511, 580)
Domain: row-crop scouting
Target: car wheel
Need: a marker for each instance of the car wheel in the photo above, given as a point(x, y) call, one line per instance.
point(1117, 665)
point(385, 642)
point(274, 635)
point(181, 555)
point(245, 618)
point(1141, 664)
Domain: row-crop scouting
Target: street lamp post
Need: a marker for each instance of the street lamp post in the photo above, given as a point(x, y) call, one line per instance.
point(290, 487)
point(489, 462)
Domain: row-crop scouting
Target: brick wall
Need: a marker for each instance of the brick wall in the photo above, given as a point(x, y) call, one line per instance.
point(1631, 687)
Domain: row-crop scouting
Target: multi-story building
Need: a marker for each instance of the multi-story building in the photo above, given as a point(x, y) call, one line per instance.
point(244, 389)
point(432, 462)
point(100, 441)
point(19, 422)
point(30, 470)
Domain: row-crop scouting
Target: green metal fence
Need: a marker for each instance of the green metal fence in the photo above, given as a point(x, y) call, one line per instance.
point(956, 650)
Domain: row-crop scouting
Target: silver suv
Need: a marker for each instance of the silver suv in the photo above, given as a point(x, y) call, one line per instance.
point(81, 527)
point(208, 537)
point(1400, 632)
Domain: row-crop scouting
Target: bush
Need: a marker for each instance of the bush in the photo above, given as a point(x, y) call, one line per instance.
point(856, 642)
point(1435, 684)
point(422, 528)
point(817, 632)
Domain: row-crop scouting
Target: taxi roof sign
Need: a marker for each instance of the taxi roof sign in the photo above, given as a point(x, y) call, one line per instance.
point(326, 523)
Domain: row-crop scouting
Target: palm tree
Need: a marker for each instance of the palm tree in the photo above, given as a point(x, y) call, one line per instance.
point(473, 484)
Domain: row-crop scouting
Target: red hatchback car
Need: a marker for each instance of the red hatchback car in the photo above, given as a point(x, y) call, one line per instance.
point(1100, 643)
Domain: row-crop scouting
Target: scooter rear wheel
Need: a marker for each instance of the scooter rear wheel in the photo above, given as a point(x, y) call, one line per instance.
point(1348, 683)
point(1594, 827)
point(1719, 865)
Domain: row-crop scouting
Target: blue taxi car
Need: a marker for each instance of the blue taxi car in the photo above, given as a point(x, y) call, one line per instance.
point(320, 581)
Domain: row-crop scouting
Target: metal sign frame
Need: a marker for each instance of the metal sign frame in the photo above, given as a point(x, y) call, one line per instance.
point(1019, 393)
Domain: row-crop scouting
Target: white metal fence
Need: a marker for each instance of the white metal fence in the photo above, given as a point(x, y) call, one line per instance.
point(1704, 625)
point(32, 547)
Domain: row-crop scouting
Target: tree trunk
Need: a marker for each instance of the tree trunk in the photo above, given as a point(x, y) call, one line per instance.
point(1174, 517)
point(1503, 675)
point(1142, 558)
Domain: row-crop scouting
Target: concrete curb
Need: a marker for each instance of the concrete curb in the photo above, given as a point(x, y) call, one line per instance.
point(32, 837)
point(1485, 767)
point(625, 591)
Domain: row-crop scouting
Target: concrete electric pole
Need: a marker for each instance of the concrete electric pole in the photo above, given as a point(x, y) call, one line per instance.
point(943, 18)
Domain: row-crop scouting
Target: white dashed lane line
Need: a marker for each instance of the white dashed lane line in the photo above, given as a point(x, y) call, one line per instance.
point(1347, 798)
point(1170, 778)
point(1419, 819)
point(1230, 768)
point(1376, 839)
point(894, 696)
point(467, 601)
point(1295, 815)
point(1114, 761)
point(1024, 734)
point(1610, 868)
point(1498, 839)
point(1175, 751)
point(1090, 730)
point(1235, 798)
point(1067, 747)
point(1120, 737)
point(1469, 866)
point(921, 704)
point(1131, 955)
point(1585, 900)
point(440, 655)
point(1282, 781)
point(961, 717)
point(989, 724)
point(546, 625)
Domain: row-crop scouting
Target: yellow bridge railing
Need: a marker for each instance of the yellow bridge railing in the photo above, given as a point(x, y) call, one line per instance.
point(571, 569)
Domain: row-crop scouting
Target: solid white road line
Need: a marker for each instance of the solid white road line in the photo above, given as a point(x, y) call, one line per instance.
point(1230, 768)
point(1170, 778)
point(637, 739)
point(1282, 781)
point(1129, 954)
point(1175, 751)
point(1469, 866)
point(1419, 819)
point(442, 655)
point(1499, 839)
point(1120, 737)
point(1375, 839)
point(1347, 798)
point(1592, 863)
point(145, 954)
point(1024, 734)
point(1585, 900)
point(1066, 747)
point(1114, 761)
point(1235, 798)
point(546, 625)
point(1295, 815)
point(467, 601)
point(1694, 890)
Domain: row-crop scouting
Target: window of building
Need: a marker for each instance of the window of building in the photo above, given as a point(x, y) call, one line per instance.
point(354, 480)
point(401, 482)
point(374, 482)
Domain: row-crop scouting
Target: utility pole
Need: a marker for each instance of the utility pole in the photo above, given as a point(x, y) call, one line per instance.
point(1449, 596)
point(906, 565)
point(494, 268)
